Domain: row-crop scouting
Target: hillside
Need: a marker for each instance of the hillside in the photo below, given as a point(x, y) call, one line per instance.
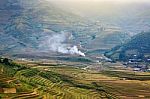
point(138, 46)
point(26, 24)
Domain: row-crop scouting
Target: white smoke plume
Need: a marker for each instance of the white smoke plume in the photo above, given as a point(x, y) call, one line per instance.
point(57, 43)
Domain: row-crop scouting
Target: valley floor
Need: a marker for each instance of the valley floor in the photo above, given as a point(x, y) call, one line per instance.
point(68, 80)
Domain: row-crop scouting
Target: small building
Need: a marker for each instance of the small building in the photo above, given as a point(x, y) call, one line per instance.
point(136, 69)
point(7, 90)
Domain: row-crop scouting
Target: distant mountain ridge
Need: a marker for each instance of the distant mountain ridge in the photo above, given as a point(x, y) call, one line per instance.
point(24, 24)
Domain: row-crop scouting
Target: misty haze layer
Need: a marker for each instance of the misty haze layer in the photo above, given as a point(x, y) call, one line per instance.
point(102, 0)
point(29, 26)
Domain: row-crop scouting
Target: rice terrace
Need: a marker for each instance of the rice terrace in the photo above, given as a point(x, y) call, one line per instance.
point(74, 49)
point(38, 80)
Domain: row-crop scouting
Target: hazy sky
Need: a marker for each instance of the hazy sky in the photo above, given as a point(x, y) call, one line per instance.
point(105, 0)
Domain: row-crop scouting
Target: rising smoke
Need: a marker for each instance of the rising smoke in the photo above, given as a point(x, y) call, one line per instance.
point(57, 43)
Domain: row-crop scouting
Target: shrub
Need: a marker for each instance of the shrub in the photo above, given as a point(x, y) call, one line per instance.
point(30, 72)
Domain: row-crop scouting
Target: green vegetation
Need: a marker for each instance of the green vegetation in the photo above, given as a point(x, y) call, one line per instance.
point(61, 81)
point(10, 68)
point(37, 82)
point(30, 72)
point(4, 85)
point(55, 77)
point(138, 45)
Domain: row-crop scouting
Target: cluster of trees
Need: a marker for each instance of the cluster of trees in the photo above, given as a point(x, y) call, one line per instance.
point(10, 67)
point(5, 61)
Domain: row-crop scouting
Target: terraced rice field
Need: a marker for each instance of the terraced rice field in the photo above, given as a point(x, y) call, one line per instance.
point(62, 90)
point(40, 81)
point(8, 83)
point(116, 85)
point(6, 79)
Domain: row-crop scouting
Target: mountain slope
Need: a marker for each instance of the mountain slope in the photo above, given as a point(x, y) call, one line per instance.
point(138, 46)
point(24, 23)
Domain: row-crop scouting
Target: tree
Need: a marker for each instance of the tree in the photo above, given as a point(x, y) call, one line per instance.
point(0, 60)
point(6, 61)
